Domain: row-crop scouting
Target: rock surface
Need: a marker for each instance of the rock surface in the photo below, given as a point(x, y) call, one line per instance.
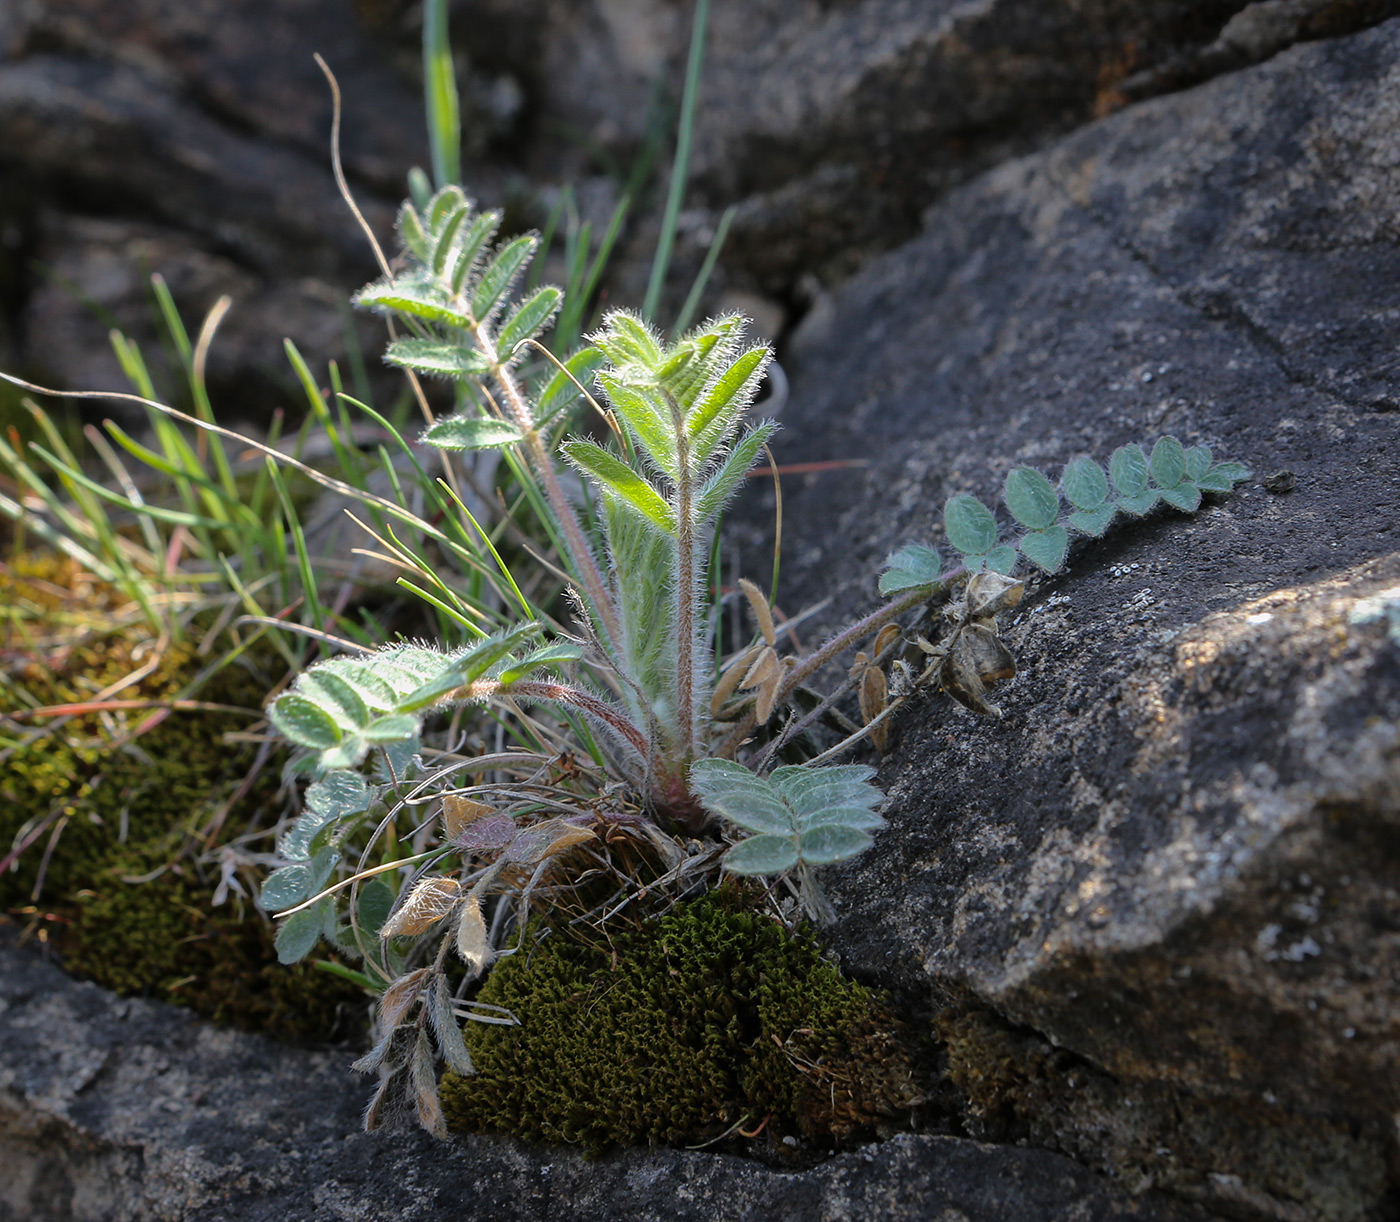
point(150, 136)
point(161, 135)
point(1155, 911)
point(115, 1110)
point(1159, 899)
point(831, 124)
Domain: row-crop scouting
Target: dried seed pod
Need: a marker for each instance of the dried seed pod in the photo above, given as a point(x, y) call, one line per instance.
point(975, 658)
point(768, 693)
point(396, 1000)
point(762, 612)
point(473, 943)
point(458, 812)
point(425, 1093)
point(989, 593)
point(874, 693)
point(888, 635)
point(765, 666)
point(546, 839)
point(385, 1098)
point(428, 902)
point(730, 679)
point(993, 659)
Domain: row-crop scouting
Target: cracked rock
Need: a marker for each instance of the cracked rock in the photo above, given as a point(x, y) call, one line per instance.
point(1156, 904)
point(131, 1111)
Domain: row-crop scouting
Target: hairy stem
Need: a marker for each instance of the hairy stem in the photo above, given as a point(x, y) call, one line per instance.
point(595, 589)
point(559, 693)
point(685, 585)
point(843, 640)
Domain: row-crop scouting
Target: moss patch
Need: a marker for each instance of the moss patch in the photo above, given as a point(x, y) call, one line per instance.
point(98, 811)
point(708, 1018)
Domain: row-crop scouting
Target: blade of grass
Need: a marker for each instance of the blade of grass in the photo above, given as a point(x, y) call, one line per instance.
point(680, 167)
point(702, 278)
point(440, 95)
point(308, 575)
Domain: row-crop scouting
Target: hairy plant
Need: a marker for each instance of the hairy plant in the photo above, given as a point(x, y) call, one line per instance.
point(653, 744)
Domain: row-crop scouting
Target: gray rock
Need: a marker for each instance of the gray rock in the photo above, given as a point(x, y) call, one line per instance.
point(113, 1110)
point(171, 139)
point(833, 123)
point(1159, 899)
point(830, 125)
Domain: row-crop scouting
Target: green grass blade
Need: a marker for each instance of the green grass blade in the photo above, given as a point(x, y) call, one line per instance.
point(440, 95)
point(680, 167)
point(308, 575)
point(697, 290)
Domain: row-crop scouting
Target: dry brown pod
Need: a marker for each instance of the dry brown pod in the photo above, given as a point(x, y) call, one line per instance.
point(430, 900)
point(976, 657)
point(473, 944)
point(989, 593)
point(458, 812)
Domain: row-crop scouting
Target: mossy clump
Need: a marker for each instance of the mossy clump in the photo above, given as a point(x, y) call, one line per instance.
point(708, 1020)
point(104, 798)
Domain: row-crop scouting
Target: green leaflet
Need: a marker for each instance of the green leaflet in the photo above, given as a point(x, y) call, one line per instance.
point(616, 477)
point(441, 357)
point(472, 433)
point(909, 568)
point(500, 273)
point(731, 473)
point(1031, 498)
point(970, 525)
point(528, 319)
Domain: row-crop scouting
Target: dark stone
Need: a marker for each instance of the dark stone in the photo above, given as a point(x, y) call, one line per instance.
point(154, 136)
point(128, 1110)
point(1149, 896)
